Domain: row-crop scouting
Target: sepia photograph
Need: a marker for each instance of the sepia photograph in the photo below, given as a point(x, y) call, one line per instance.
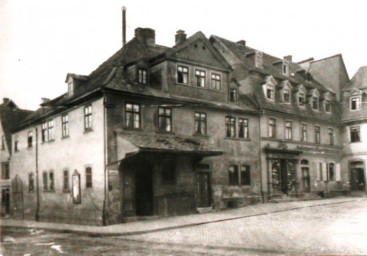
point(142, 128)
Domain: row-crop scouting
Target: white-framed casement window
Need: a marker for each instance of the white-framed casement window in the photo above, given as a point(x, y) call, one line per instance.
point(142, 76)
point(182, 75)
point(132, 116)
point(355, 134)
point(355, 102)
point(216, 82)
point(288, 130)
point(200, 123)
point(200, 78)
point(165, 119)
point(65, 125)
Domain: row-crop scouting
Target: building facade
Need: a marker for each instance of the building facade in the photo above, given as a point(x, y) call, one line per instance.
point(161, 131)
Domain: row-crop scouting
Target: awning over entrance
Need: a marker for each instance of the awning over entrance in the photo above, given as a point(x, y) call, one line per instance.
point(131, 143)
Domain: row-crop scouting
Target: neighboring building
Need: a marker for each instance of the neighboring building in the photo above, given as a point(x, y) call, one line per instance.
point(10, 115)
point(299, 123)
point(354, 130)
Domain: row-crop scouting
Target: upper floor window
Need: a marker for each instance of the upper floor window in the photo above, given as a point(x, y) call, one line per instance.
point(216, 82)
point(65, 125)
point(88, 122)
point(16, 142)
point(272, 128)
point(5, 170)
point(308, 76)
point(243, 131)
point(182, 75)
point(2, 142)
point(315, 103)
point(142, 76)
point(270, 91)
point(317, 135)
point(233, 95)
point(288, 130)
point(230, 126)
point(200, 78)
point(30, 182)
point(88, 177)
point(303, 132)
point(327, 106)
point(286, 96)
point(51, 135)
point(44, 132)
point(200, 123)
point(132, 116)
point(331, 136)
point(355, 103)
point(301, 99)
point(355, 134)
point(165, 119)
point(30, 139)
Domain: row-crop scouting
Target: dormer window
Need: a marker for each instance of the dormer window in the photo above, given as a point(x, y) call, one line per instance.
point(327, 106)
point(315, 103)
point(308, 76)
point(355, 103)
point(301, 99)
point(142, 76)
point(233, 95)
point(286, 96)
point(270, 91)
point(285, 69)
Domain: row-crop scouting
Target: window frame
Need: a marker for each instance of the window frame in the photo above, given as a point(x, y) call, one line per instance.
point(30, 139)
point(200, 78)
point(5, 170)
point(331, 171)
point(163, 118)
point(304, 132)
point(331, 136)
point(66, 178)
point(317, 137)
point(30, 182)
point(216, 81)
point(358, 104)
point(88, 177)
point(45, 181)
point(88, 117)
point(315, 99)
point(132, 112)
point(272, 128)
point(327, 106)
point(245, 181)
point(200, 120)
point(354, 139)
point(233, 176)
point(270, 88)
point(243, 125)
point(288, 101)
point(65, 126)
point(233, 94)
point(301, 95)
point(142, 76)
point(185, 74)
point(288, 130)
point(230, 123)
point(16, 143)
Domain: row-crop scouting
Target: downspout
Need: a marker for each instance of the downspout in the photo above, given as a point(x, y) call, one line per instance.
point(37, 182)
point(260, 165)
point(104, 211)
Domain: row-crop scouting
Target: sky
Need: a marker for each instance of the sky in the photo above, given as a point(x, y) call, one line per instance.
point(42, 40)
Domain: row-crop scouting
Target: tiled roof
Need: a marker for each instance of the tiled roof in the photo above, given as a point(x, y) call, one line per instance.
point(10, 116)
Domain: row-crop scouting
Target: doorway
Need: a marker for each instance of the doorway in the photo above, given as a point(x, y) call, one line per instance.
point(357, 176)
point(306, 179)
point(5, 201)
point(144, 193)
point(203, 189)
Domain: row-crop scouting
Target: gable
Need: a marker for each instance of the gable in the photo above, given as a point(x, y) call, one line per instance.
point(202, 52)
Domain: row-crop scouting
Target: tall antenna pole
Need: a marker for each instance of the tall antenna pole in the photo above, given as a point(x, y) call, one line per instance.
point(123, 26)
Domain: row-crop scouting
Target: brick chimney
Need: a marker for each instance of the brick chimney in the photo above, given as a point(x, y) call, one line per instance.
point(180, 36)
point(288, 57)
point(145, 35)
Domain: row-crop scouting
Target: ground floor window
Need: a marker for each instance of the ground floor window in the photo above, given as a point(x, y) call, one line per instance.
point(239, 175)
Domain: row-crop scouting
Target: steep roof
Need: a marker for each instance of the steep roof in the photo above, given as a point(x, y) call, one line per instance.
point(10, 116)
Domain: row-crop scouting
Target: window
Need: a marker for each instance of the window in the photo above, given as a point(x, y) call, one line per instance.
point(308, 76)
point(331, 136)
point(327, 106)
point(16, 142)
point(355, 103)
point(65, 125)
point(321, 171)
point(243, 131)
point(88, 177)
point(44, 132)
point(200, 78)
point(317, 134)
point(285, 69)
point(88, 117)
point(52, 181)
point(168, 172)
point(51, 130)
point(45, 181)
point(233, 95)
point(270, 91)
point(288, 130)
point(303, 132)
point(301, 99)
point(30, 139)
point(132, 116)
point(2, 142)
point(286, 96)
point(272, 128)
point(315, 103)
point(30, 182)
point(216, 82)
point(245, 175)
point(355, 134)
point(182, 75)
point(230, 127)
point(5, 171)
point(142, 76)
point(165, 119)
point(233, 175)
point(66, 180)
point(200, 123)
point(331, 172)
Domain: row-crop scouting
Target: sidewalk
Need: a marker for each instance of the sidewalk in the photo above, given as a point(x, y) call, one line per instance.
point(148, 226)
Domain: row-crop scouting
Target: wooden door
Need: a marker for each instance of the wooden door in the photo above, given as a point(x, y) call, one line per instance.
point(203, 189)
point(306, 179)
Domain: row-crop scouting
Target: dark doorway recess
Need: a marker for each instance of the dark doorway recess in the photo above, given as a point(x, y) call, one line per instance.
point(144, 192)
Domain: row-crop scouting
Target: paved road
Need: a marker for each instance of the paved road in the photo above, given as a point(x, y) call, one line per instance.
point(331, 229)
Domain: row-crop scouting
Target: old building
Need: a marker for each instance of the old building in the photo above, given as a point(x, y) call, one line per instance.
point(10, 115)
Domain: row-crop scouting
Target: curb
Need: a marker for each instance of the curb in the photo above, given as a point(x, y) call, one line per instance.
point(130, 233)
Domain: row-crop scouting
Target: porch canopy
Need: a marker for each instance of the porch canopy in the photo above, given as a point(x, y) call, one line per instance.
point(133, 143)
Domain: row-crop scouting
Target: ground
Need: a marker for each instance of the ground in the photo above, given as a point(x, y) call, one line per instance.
point(330, 229)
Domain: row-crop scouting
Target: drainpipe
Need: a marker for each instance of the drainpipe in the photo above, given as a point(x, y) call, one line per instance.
point(105, 200)
point(260, 165)
point(37, 182)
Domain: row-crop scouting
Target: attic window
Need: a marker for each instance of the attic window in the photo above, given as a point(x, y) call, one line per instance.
point(301, 99)
point(315, 103)
point(233, 95)
point(308, 76)
point(286, 96)
point(142, 76)
point(270, 91)
point(327, 106)
point(355, 103)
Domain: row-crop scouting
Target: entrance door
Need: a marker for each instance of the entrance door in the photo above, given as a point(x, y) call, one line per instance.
point(144, 193)
point(284, 176)
point(357, 179)
point(5, 201)
point(203, 189)
point(306, 179)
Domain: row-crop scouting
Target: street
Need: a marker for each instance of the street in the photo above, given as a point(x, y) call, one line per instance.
point(330, 229)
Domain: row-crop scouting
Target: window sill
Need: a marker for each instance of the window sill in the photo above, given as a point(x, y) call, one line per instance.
point(88, 130)
point(29, 148)
point(49, 191)
point(133, 129)
point(165, 132)
point(201, 135)
point(236, 138)
point(65, 137)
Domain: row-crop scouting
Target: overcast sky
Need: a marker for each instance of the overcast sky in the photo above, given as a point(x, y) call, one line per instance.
point(42, 40)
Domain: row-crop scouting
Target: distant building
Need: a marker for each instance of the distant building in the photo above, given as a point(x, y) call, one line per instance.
point(207, 123)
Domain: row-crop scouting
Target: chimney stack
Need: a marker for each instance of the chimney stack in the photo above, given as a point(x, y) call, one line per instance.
point(123, 26)
point(288, 57)
point(6, 100)
point(242, 42)
point(180, 36)
point(145, 35)
point(44, 100)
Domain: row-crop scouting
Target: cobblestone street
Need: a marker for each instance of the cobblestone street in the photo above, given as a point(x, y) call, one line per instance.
point(330, 229)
